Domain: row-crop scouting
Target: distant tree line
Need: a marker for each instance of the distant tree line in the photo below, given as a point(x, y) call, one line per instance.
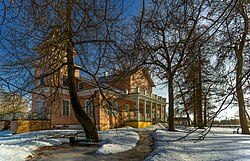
point(227, 122)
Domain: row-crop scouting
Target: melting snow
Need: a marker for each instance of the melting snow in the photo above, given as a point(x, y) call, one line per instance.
point(220, 143)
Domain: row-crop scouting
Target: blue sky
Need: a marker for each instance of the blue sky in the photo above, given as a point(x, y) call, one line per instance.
point(132, 6)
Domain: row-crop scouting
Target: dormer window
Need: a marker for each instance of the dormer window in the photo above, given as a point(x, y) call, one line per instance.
point(80, 86)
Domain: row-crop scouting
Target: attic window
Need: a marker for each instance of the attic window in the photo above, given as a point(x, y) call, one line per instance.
point(80, 86)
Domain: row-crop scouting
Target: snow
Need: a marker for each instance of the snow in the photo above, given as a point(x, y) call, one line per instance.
point(6, 133)
point(116, 141)
point(20, 146)
point(13, 152)
point(219, 144)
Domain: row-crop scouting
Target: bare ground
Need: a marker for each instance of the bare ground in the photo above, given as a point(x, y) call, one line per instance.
point(68, 152)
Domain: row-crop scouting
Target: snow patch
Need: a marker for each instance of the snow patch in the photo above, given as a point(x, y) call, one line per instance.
point(117, 141)
point(13, 152)
point(219, 144)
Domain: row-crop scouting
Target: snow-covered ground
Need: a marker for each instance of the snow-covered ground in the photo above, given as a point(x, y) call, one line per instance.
point(20, 146)
point(220, 144)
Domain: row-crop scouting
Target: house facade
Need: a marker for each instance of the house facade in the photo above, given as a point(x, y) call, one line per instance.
point(112, 101)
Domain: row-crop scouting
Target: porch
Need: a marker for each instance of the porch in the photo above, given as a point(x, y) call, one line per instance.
point(147, 109)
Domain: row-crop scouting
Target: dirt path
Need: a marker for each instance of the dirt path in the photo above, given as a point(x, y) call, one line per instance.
point(67, 152)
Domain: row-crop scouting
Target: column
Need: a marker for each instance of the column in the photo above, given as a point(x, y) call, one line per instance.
point(164, 111)
point(151, 110)
point(155, 112)
point(160, 112)
point(145, 110)
point(137, 109)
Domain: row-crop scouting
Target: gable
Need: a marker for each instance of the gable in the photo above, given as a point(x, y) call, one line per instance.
point(130, 79)
point(142, 80)
point(142, 76)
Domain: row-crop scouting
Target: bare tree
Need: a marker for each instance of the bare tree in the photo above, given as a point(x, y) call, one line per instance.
point(239, 49)
point(167, 30)
point(43, 41)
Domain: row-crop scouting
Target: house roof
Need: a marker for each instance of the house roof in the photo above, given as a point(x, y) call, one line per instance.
point(101, 85)
point(126, 74)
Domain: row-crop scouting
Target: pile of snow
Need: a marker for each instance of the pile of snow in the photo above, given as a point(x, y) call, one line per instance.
point(116, 141)
point(13, 152)
point(219, 144)
point(20, 146)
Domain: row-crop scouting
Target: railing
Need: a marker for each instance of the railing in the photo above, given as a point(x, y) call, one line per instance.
point(154, 118)
point(145, 93)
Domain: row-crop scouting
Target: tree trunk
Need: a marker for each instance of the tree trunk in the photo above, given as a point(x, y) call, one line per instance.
point(185, 104)
point(199, 97)
point(194, 105)
point(171, 105)
point(239, 75)
point(205, 105)
point(87, 124)
point(205, 110)
point(240, 97)
point(82, 117)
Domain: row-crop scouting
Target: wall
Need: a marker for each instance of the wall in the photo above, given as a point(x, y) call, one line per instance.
point(139, 79)
point(22, 126)
point(57, 118)
point(31, 125)
point(110, 121)
point(138, 124)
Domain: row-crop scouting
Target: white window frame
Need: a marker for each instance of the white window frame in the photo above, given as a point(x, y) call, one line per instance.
point(41, 109)
point(88, 108)
point(40, 106)
point(127, 109)
point(79, 86)
point(113, 109)
point(63, 108)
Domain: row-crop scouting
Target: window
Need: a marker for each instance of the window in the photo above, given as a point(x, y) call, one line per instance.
point(127, 109)
point(80, 86)
point(40, 109)
point(40, 106)
point(66, 108)
point(112, 107)
point(89, 107)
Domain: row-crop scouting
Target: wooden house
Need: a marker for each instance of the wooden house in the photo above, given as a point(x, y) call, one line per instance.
point(113, 101)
